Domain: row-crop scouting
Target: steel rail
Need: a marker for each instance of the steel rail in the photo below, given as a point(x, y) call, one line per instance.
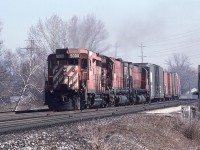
point(25, 122)
point(13, 116)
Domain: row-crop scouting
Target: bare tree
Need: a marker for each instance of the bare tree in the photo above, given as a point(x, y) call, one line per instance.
point(89, 33)
point(53, 33)
point(21, 75)
point(5, 75)
point(46, 37)
point(73, 31)
point(1, 42)
point(8, 81)
point(181, 64)
point(30, 75)
point(49, 34)
point(3, 71)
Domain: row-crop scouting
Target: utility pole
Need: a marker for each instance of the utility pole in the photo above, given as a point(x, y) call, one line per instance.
point(31, 48)
point(142, 56)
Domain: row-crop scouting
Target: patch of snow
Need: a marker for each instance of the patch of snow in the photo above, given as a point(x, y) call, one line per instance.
point(165, 110)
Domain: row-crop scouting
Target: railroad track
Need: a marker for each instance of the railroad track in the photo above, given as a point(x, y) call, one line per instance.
point(14, 122)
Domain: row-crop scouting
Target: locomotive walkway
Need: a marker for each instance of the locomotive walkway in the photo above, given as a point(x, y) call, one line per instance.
point(15, 122)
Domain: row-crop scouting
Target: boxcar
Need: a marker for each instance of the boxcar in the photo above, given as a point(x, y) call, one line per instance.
point(167, 85)
point(155, 80)
point(175, 86)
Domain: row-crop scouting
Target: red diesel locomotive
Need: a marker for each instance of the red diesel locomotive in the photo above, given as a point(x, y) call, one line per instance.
point(79, 79)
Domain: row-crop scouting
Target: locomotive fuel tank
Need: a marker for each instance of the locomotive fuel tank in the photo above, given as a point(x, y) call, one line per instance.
point(121, 100)
point(98, 102)
point(141, 99)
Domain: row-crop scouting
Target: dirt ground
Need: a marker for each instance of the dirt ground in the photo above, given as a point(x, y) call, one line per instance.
point(129, 132)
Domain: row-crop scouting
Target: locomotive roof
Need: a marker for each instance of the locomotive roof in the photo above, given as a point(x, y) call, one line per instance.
point(145, 64)
point(77, 50)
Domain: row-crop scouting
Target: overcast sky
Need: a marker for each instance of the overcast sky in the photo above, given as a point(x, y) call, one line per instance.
point(163, 26)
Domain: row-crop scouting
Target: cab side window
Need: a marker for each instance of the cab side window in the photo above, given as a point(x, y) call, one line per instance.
point(51, 64)
point(84, 64)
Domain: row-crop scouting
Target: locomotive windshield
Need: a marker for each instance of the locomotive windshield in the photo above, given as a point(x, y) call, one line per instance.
point(73, 61)
point(62, 62)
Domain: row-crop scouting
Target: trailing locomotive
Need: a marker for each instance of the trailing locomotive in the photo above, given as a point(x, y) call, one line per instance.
point(79, 79)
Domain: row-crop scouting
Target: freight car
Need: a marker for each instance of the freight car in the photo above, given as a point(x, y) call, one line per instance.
point(79, 79)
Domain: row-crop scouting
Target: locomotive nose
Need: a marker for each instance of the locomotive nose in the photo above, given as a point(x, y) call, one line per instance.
point(71, 77)
point(65, 75)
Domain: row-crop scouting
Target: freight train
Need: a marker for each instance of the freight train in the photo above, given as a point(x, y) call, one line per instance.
point(79, 79)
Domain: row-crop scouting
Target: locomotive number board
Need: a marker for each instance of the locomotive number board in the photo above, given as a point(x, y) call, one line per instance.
point(74, 56)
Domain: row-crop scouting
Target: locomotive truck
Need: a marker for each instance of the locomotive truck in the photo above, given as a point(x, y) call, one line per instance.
point(80, 79)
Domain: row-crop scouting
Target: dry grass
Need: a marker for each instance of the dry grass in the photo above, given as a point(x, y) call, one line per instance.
point(141, 132)
point(191, 130)
point(129, 132)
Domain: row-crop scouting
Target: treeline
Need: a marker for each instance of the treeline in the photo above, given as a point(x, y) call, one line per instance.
point(22, 71)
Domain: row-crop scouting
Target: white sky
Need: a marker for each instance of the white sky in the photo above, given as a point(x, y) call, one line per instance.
point(163, 26)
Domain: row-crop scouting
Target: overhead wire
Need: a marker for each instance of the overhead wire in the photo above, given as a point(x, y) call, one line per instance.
point(175, 36)
point(179, 45)
point(176, 43)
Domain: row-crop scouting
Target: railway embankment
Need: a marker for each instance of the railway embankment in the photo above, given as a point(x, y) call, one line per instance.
point(163, 129)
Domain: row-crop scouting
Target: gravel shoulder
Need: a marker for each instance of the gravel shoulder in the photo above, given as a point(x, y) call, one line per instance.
point(148, 131)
